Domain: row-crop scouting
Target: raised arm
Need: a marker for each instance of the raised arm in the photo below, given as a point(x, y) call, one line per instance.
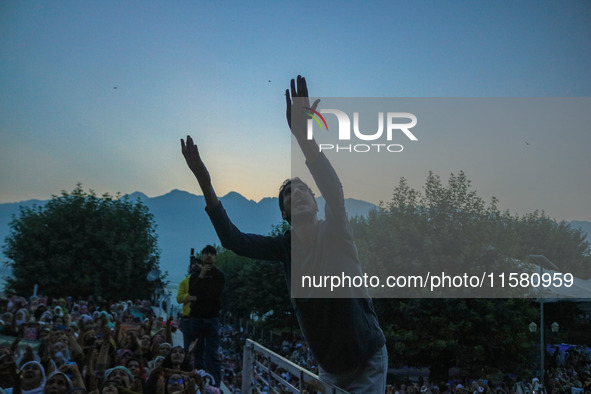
point(298, 108)
point(248, 245)
point(196, 165)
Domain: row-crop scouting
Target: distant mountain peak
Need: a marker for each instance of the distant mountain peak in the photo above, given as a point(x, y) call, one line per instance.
point(177, 194)
point(136, 195)
point(235, 196)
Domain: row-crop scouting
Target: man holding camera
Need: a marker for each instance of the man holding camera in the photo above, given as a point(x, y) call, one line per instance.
point(206, 286)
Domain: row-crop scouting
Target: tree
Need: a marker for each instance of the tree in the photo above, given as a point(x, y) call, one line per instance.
point(446, 229)
point(479, 335)
point(450, 228)
point(80, 244)
point(562, 244)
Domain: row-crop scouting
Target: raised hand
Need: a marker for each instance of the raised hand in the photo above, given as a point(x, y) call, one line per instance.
point(298, 106)
point(196, 165)
point(298, 112)
point(193, 158)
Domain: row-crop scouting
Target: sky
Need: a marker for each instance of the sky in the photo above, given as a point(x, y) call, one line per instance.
point(100, 93)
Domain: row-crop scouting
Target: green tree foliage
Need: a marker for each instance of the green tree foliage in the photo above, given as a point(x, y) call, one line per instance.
point(562, 244)
point(443, 229)
point(80, 244)
point(449, 228)
point(478, 335)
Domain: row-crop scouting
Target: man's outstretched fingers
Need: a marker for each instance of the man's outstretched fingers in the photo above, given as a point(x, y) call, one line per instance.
point(288, 107)
point(302, 87)
point(294, 92)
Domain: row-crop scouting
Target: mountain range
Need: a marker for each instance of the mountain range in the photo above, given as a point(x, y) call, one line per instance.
point(182, 223)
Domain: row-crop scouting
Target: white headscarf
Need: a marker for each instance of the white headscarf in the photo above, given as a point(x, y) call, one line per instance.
point(24, 319)
point(39, 389)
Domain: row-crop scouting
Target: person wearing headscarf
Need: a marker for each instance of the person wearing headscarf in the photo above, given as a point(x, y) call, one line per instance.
point(86, 323)
point(120, 374)
point(58, 383)
point(164, 349)
point(121, 378)
point(22, 316)
point(46, 318)
point(32, 378)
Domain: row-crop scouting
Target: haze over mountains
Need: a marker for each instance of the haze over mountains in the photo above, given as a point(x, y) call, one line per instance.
point(182, 222)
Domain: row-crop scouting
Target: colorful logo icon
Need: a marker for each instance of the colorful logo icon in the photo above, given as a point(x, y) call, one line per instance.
point(315, 115)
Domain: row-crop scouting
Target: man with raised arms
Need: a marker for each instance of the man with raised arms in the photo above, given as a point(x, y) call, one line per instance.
point(342, 333)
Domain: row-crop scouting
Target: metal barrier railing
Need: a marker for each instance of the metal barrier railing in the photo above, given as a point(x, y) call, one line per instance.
point(258, 368)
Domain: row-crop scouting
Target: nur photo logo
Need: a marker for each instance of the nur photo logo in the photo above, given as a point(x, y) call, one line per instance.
point(396, 124)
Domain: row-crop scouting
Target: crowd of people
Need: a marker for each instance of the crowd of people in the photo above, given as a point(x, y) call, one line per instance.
point(568, 371)
point(65, 345)
point(61, 346)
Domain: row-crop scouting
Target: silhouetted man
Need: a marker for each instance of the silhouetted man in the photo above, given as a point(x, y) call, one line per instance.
point(206, 285)
point(342, 333)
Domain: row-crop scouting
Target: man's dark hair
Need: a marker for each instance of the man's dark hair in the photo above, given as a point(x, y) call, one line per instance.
point(209, 250)
point(287, 183)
